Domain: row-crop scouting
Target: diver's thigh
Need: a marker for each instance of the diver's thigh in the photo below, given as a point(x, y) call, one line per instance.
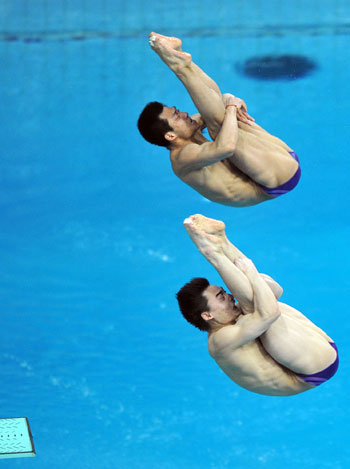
point(299, 348)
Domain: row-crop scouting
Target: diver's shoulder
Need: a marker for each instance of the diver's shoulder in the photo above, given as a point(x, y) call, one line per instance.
point(181, 157)
point(219, 340)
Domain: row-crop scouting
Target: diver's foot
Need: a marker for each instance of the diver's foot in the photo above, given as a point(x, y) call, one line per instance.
point(208, 225)
point(207, 234)
point(174, 42)
point(175, 59)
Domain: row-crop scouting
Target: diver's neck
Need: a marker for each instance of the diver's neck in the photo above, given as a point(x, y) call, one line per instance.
point(216, 326)
point(198, 137)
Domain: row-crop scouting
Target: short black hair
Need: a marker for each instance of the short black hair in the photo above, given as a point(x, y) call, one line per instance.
point(152, 127)
point(192, 303)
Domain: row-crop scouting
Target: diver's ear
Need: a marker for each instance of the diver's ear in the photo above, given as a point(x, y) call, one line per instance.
point(207, 316)
point(170, 136)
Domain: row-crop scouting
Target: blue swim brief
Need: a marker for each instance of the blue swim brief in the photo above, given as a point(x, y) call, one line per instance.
point(287, 186)
point(318, 378)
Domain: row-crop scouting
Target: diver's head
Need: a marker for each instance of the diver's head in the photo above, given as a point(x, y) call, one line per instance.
point(222, 309)
point(192, 303)
point(207, 307)
point(152, 127)
point(166, 126)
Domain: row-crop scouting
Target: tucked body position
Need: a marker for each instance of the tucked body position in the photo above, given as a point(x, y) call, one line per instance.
point(243, 164)
point(263, 345)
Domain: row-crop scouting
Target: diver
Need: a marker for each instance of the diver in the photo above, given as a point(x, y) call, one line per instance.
point(243, 164)
point(263, 345)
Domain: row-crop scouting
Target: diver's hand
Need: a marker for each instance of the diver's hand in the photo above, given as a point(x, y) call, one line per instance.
point(242, 112)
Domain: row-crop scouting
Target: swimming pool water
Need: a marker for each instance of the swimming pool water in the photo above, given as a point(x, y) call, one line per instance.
point(93, 350)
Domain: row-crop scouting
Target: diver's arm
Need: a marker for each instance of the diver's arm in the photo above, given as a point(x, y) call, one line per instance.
point(242, 111)
point(194, 157)
point(248, 327)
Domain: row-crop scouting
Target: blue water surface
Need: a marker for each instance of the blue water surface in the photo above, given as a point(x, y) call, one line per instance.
point(93, 349)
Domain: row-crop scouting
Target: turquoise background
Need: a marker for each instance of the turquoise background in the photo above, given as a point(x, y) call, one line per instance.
point(93, 349)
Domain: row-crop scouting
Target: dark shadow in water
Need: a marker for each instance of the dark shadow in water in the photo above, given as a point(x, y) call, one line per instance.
point(277, 67)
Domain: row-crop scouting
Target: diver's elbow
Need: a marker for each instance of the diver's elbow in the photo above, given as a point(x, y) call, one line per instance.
point(229, 149)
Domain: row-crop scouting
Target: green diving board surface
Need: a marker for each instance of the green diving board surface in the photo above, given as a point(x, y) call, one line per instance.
point(16, 439)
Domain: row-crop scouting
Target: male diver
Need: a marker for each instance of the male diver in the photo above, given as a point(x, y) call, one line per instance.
point(243, 164)
point(263, 345)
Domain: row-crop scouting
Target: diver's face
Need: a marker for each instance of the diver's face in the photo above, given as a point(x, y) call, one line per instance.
point(181, 122)
point(222, 306)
